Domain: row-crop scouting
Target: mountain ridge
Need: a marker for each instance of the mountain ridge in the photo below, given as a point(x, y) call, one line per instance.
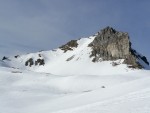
point(108, 47)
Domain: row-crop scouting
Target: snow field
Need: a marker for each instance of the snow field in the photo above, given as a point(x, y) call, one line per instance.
point(26, 91)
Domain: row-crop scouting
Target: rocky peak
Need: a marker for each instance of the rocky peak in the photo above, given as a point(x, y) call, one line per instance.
point(108, 30)
point(110, 44)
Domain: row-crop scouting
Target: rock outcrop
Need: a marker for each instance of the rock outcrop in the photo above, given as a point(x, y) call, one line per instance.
point(5, 58)
point(40, 62)
point(69, 46)
point(110, 44)
point(30, 62)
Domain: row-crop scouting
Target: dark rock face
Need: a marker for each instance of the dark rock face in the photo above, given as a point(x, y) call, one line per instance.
point(16, 56)
point(29, 62)
point(40, 62)
point(145, 60)
point(5, 58)
point(70, 58)
point(69, 46)
point(39, 55)
point(110, 44)
point(35, 61)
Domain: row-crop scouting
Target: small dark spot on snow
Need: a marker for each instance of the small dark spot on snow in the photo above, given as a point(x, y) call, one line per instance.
point(103, 87)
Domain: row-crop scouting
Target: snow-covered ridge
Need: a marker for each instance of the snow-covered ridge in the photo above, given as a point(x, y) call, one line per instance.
point(76, 61)
point(76, 57)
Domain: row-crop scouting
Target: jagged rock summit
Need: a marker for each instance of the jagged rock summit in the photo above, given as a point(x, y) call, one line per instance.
point(110, 44)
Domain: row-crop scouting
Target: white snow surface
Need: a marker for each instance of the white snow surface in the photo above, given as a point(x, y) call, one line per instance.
point(32, 92)
point(74, 86)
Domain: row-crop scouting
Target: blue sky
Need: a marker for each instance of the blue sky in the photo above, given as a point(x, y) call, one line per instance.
point(33, 25)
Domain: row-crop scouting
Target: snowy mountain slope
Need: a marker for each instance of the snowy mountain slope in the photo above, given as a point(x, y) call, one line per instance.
point(26, 91)
point(72, 62)
point(98, 74)
point(109, 49)
point(56, 61)
point(137, 102)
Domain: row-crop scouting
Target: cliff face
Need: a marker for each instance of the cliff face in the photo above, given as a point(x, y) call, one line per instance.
point(110, 44)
